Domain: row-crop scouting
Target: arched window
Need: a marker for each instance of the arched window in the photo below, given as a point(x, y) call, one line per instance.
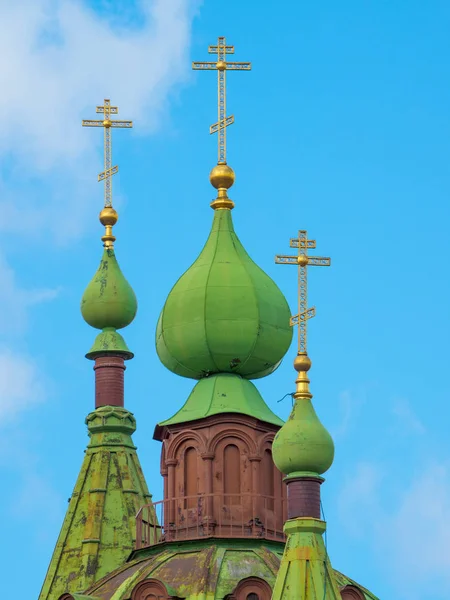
point(190, 477)
point(231, 474)
point(151, 589)
point(268, 479)
point(252, 588)
point(350, 592)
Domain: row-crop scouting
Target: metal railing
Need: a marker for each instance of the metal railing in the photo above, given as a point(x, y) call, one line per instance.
point(211, 515)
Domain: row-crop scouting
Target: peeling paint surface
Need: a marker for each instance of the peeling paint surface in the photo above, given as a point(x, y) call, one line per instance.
point(98, 533)
point(204, 570)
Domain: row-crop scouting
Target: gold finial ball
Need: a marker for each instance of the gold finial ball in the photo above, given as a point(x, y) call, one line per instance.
point(302, 362)
point(108, 216)
point(221, 65)
point(302, 260)
point(107, 123)
point(222, 176)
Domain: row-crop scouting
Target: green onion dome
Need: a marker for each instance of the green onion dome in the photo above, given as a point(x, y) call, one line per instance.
point(224, 315)
point(303, 445)
point(109, 303)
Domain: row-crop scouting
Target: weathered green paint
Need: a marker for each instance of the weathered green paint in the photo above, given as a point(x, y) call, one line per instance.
point(303, 443)
point(109, 300)
point(199, 570)
point(109, 341)
point(224, 393)
point(99, 529)
point(224, 314)
point(305, 571)
point(79, 597)
point(210, 569)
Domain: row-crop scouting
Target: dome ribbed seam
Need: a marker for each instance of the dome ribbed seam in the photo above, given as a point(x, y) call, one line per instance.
point(206, 295)
point(165, 344)
point(254, 295)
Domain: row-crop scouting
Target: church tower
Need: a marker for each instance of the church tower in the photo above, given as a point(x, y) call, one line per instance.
point(241, 516)
point(224, 323)
point(99, 531)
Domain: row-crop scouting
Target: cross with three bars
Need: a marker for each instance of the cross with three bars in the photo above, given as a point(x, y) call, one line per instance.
point(221, 66)
point(303, 261)
point(107, 123)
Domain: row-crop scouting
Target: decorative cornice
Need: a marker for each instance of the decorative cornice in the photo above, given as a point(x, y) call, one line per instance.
point(163, 432)
point(111, 418)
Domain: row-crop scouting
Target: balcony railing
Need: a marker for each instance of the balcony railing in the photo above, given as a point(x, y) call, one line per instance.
point(211, 515)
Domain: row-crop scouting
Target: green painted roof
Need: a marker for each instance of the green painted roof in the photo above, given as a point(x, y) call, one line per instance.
point(305, 571)
point(224, 393)
point(303, 444)
point(208, 569)
point(224, 314)
point(99, 529)
point(196, 570)
point(109, 341)
point(78, 597)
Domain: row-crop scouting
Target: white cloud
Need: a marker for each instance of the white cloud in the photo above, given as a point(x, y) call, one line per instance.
point(33, 500)
point(37, 501)
point(49, 82)
point(21, 384)
point(409, 529)
point(350, 403)
point(407, 419)
point(60, 59)
point(15, 301)
point(358, 501)
point(420, 530)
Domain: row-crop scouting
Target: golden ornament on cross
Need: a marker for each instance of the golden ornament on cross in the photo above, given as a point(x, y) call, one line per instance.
point(221, 66)
point(303, 261)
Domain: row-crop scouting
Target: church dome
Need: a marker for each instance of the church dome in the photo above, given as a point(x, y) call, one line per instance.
point(201, 569)
point(224, 315)
point(303, 445)
point(109, 300)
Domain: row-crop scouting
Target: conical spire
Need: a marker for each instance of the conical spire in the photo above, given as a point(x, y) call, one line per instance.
point(303, 450)
point(99, 530)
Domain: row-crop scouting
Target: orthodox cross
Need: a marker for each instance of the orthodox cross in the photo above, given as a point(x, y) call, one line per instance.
point(303, 261)
point(107, 123)
point(221, 66)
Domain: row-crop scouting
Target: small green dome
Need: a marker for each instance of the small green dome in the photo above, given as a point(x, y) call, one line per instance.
point(224, 315)
point(108, 300)
point(303, 445)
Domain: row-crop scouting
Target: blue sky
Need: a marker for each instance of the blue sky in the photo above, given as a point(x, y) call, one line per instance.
point(341, 128)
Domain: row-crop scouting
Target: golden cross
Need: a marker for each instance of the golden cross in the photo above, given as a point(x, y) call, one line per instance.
point(303, 261)
point(107, 123)
point(221, 66)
